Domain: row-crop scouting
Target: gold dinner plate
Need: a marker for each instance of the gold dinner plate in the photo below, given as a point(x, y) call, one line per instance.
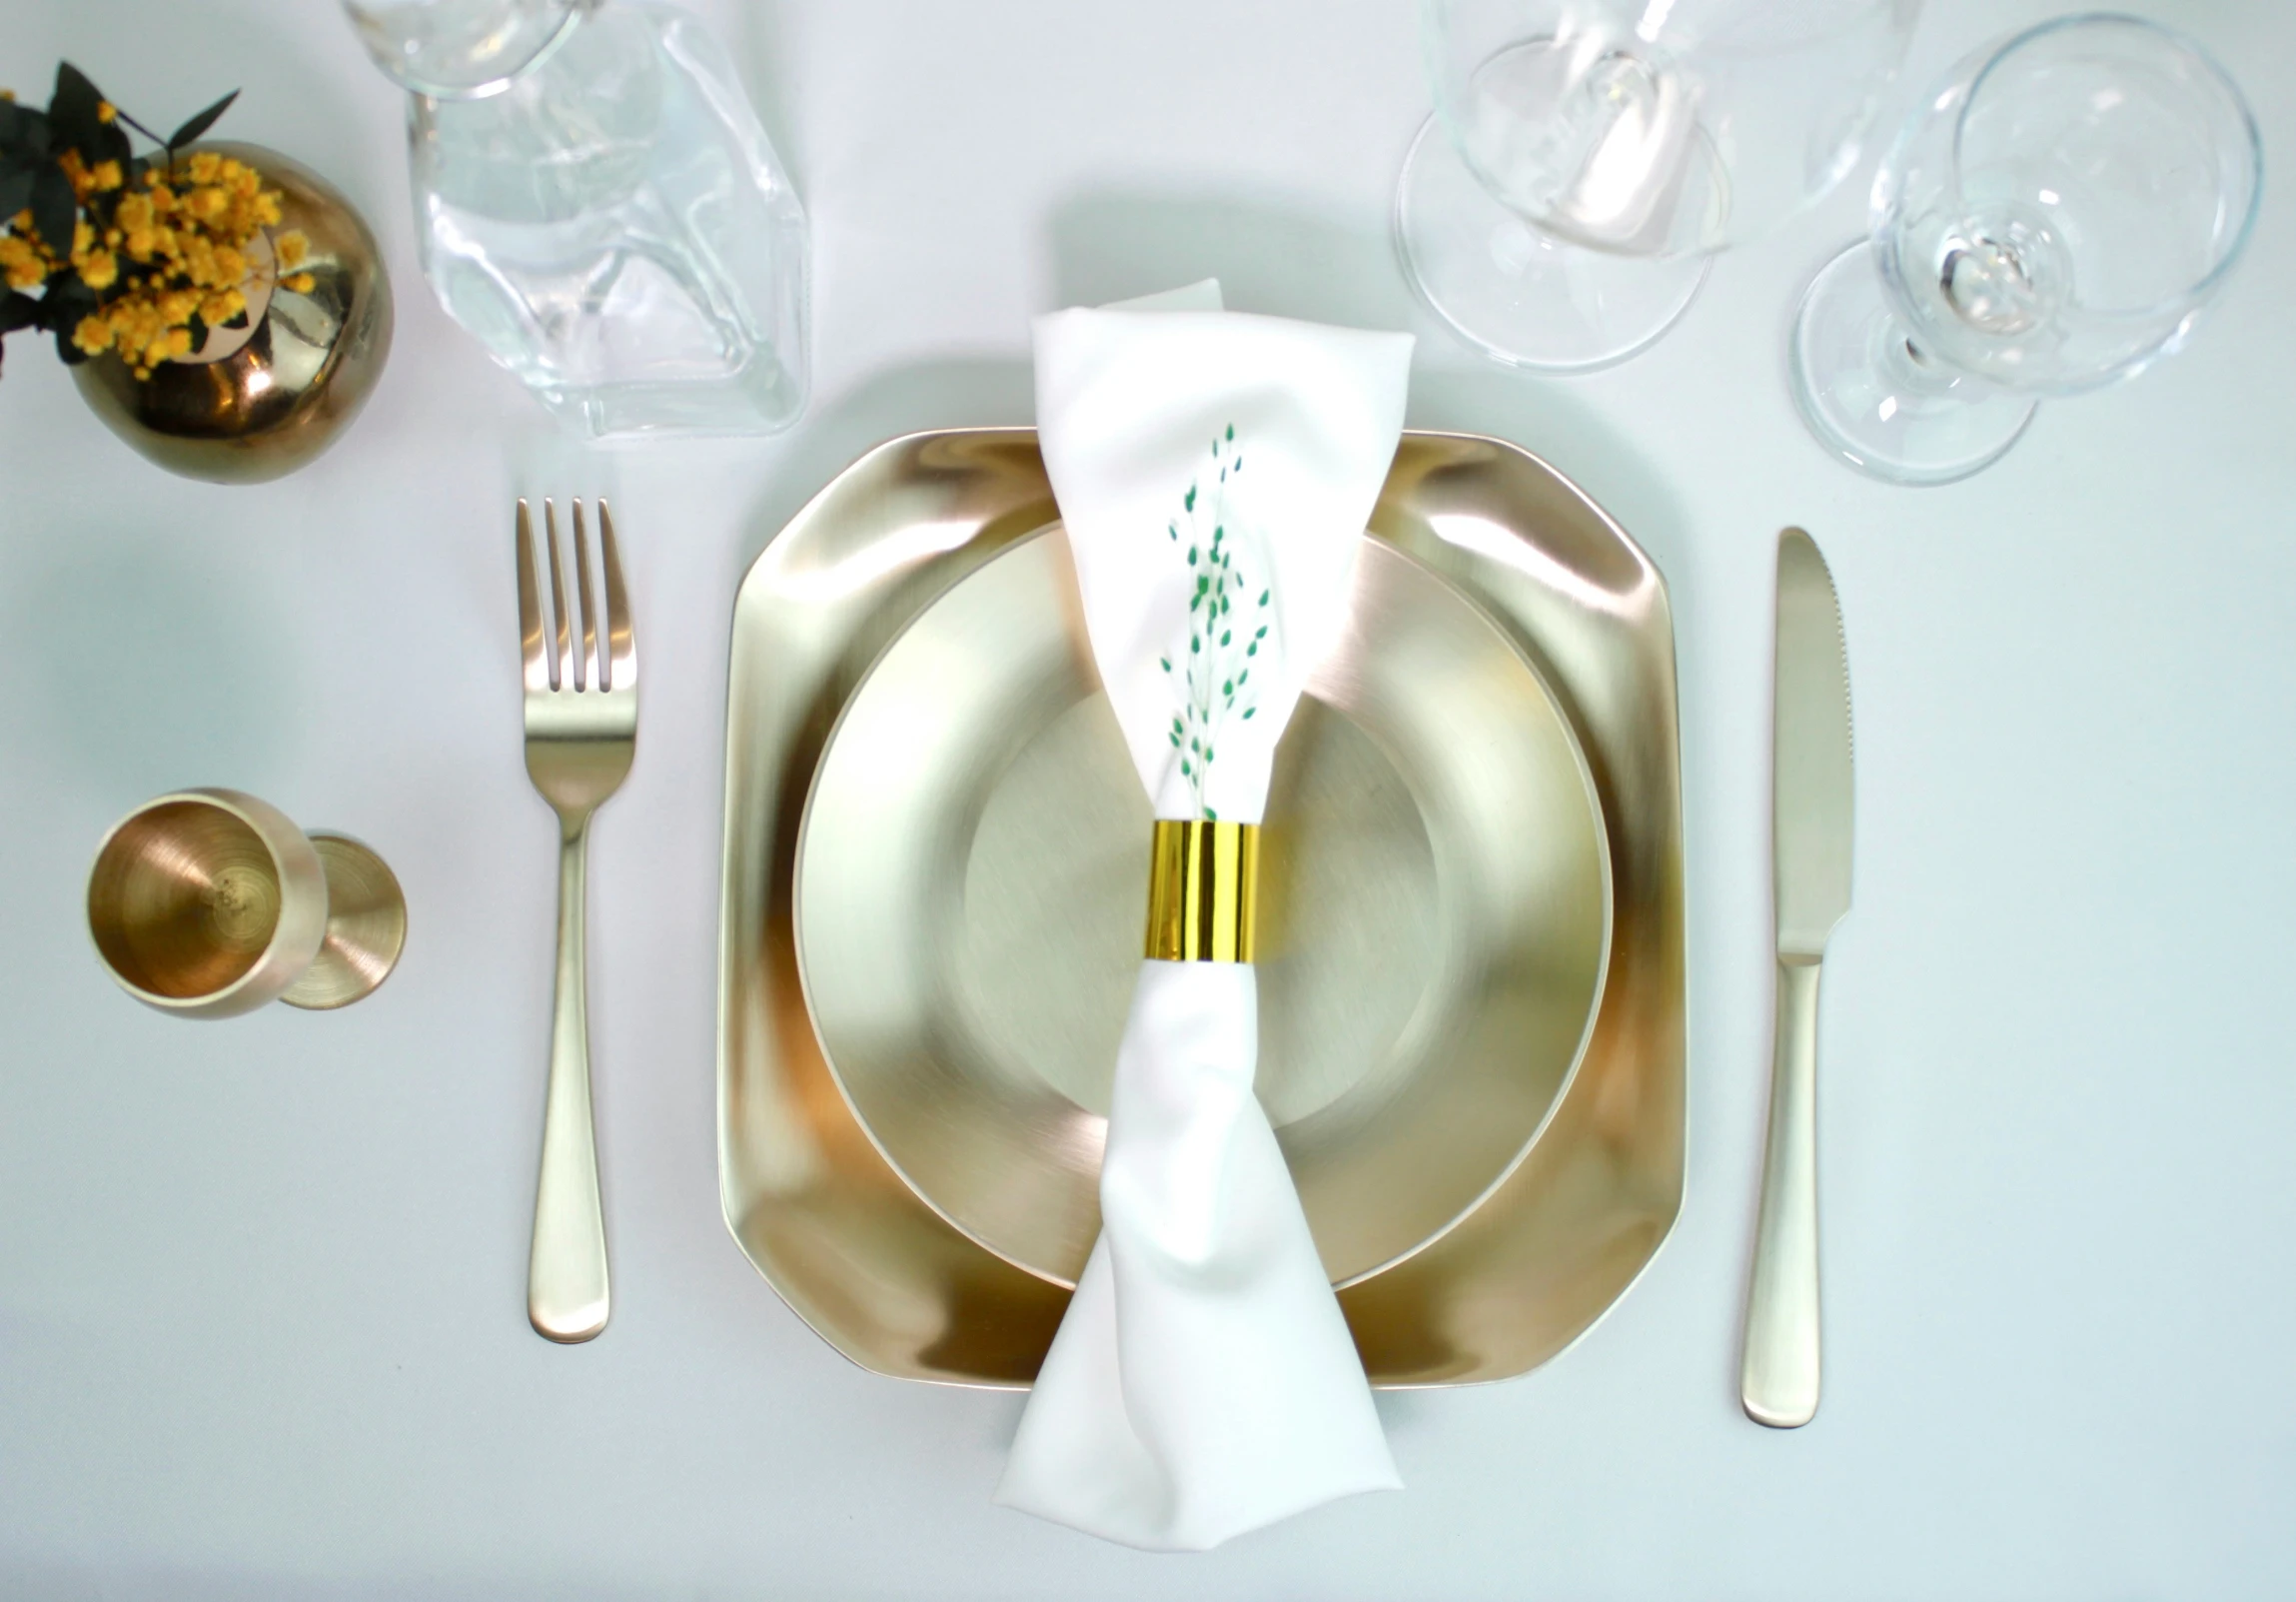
point(1472, 984)
point(972, 873)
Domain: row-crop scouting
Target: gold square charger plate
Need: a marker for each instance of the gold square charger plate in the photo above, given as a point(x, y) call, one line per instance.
point(1486, 1173)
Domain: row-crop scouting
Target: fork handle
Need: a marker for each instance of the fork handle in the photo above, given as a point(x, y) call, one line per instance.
point(566, 1296)
point(1779, 1384)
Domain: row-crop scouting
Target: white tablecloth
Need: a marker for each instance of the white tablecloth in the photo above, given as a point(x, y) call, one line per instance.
point(261, 1318)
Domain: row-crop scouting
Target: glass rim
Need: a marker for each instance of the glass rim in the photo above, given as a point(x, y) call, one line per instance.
point(2208, 283)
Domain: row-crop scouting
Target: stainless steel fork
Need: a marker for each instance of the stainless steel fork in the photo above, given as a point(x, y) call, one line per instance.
point(582, 731)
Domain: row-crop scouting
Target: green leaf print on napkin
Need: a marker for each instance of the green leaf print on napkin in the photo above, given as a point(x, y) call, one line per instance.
point(1230, 617)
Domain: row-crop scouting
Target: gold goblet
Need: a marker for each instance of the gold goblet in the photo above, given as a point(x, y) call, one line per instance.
point(206, 904)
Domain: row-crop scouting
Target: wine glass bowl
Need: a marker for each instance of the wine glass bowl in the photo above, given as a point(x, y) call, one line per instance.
point(1587, 157)
point(2052, 217)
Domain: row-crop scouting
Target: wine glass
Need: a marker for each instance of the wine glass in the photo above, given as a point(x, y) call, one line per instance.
point(461, 49)
point(1587, 157)
point(2052, 217)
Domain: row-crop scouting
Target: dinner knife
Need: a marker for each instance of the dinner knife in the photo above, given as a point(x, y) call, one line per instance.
point(1810, 852)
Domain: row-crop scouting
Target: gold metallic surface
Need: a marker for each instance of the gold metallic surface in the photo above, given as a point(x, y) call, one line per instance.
point(1203, 891)
point(969, 882)
point(581, 735)
point(809, 1195)
point(1812, 836)
point(365, 928)
point(209, 903)
point(285, 394)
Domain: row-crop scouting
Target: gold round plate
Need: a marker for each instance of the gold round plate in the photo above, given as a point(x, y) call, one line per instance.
point(1435, 917)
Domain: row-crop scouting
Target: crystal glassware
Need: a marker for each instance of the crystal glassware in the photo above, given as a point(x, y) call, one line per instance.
point(1587, 157)
point(596, 202)
point(2052, 217)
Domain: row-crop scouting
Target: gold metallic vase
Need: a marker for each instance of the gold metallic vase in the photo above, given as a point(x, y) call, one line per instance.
point(243, 410)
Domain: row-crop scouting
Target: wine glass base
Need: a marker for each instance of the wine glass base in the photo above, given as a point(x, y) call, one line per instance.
point(1521, 298)
point(1874, 401)
point(365, 928)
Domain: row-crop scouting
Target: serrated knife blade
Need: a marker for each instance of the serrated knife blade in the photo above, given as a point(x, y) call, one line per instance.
point(1810, 820)
point(1811, 837)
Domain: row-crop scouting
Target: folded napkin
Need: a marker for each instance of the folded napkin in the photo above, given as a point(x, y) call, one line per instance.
point(1214, 472)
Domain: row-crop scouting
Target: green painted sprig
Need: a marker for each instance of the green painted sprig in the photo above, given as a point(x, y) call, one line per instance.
point(1229, 618)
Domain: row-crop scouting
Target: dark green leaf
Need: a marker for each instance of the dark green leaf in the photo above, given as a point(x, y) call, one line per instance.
point(72, 113)
point(15, 190)
point(66, 301)
point(71, 354)
point(18, 310)
point(23, 135)
point(54, 210)
point(1248, 711)
point(198, 328)
point(200, 124)
point(1231, 430)
point(1189, 500)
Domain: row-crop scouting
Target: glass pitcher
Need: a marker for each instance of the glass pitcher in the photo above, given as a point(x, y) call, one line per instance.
point(595, 201)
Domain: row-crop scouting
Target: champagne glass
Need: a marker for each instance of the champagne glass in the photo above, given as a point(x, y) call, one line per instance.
point(2052, 217)
point(1587, 157)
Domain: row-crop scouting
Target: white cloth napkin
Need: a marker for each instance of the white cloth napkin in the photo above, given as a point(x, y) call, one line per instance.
point(1214, 472)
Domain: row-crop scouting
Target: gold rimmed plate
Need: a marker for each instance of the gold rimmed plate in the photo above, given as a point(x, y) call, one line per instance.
point(972, 870)
point(1476, 883)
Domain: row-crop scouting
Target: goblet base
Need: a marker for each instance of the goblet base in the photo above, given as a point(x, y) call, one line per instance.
point(1874, 400)
point(1521, 297)
point(365, 928)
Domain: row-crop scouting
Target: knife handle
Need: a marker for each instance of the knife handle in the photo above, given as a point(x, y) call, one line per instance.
point(1779, 1384)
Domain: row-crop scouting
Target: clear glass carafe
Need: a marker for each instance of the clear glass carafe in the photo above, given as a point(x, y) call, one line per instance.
point(595, 201)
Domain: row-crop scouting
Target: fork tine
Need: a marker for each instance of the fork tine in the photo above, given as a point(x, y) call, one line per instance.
point(622, 643)
point(591, 674)
point(537, 668)
point(566, 670)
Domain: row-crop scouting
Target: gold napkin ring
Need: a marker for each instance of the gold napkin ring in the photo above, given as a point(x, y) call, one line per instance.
point(1203, 891)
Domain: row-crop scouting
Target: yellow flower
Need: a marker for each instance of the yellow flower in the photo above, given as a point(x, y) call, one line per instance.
point(83, 238)
point(107, 175)
point(221, 308)
point(135, 212)
point(94, 336)
point(20, 264)
point(179, 342)
point(177, 305)
point(301, 283)
point(106, 111)
point(292, 247)
point(99, 270)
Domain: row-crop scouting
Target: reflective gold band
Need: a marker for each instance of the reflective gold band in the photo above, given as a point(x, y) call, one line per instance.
point(1203, 891)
